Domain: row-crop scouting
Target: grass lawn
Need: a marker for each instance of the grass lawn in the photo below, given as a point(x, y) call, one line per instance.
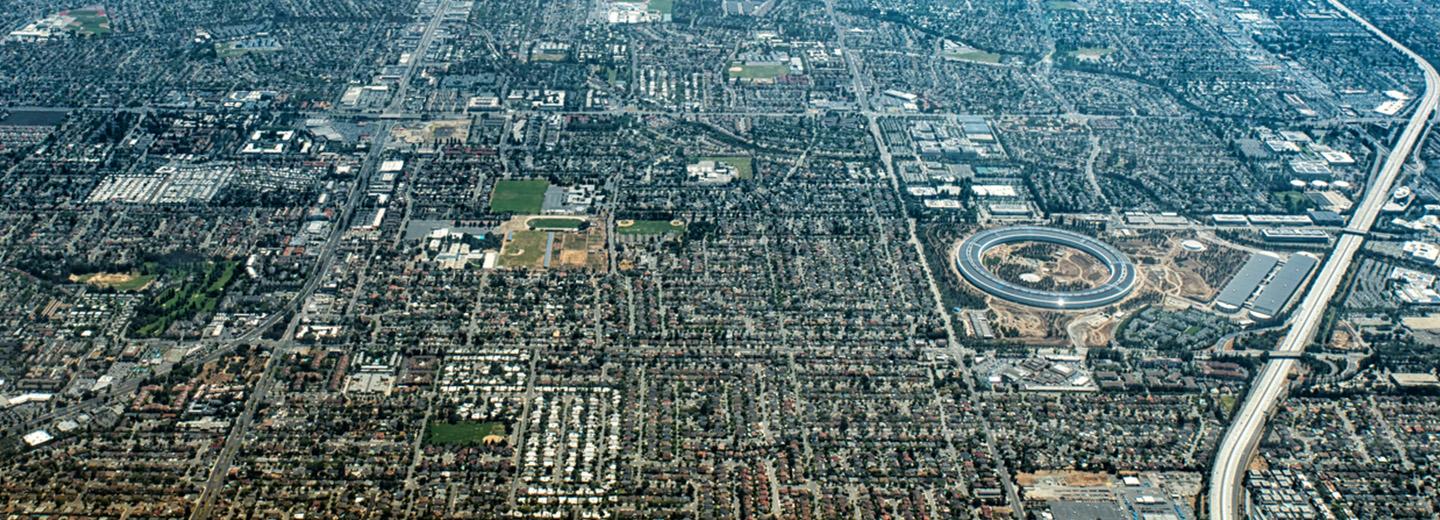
point(650, 227)
point(134, 284)
point(1227, 403)
point(757, 70)
point(517, 196)
point(743, 165)
point(975, 56)
point(555, 223)
point(461, 432)
point(660, 6)
point(1063, 5)
point(525, 248)
point(1293, 201)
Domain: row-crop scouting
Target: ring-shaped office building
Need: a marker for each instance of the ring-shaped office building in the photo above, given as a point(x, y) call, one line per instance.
point(1115, 288)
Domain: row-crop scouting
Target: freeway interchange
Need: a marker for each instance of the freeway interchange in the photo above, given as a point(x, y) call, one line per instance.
point(1243, 436)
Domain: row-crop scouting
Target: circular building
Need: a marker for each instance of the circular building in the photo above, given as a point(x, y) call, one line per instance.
point(1115, 288)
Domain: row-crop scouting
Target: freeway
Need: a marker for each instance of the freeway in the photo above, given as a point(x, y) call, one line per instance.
point(1243, 436)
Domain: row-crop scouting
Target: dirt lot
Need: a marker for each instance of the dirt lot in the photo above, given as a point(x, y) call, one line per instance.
point(1063, 477)
point(526, 249)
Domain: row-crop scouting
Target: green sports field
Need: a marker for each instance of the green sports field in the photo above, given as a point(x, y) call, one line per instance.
point(518, 196)
point(650, 227)
point(757, 70)
point(460, 433)
point(743, 165)
point(558, 223)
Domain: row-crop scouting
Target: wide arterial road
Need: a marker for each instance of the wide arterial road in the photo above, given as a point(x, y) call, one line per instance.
point(1244, 434)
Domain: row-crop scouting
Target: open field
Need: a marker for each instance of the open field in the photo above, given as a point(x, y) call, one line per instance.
point(527, 248)
point(432, 133)
point(461, 433)
point(744, 166)
point(524, 249)
point(123, 282)
point(556, 223)
point(763, 71)
point(976, 56)
point(518, 196)
point(1092, 53)
point(649, 227)
point(90, 21)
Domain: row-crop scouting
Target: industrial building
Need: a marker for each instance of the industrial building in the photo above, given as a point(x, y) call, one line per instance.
point(1244, 283)
point(1282, 286)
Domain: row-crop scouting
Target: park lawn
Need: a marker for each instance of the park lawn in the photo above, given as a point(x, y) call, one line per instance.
point(555, 223)
point(525, 249)
point(464, 432)
point(743, 165)
point(650, 227)
point(661, 6)
point(518, 196)
point(977, 56)
point(196, 290)
point(1293, 201)
point(757, 70)
point(233, 49)
point(135, 283)
point(92, 21)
